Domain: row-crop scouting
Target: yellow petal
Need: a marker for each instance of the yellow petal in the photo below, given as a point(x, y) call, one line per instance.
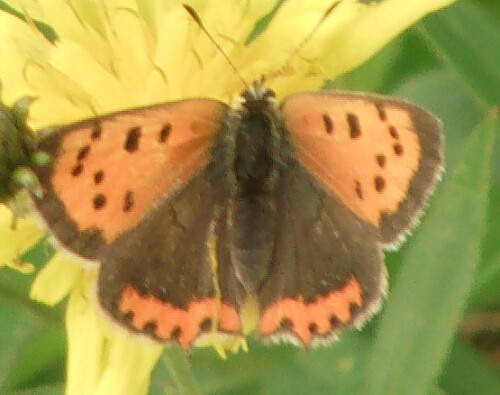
point(15, 241)
point(129, 365)
point(364, 29)
point(103, 359)
point(55, 280)
point(85, 339)
point(222, 343)
point(349, 36)
point(21, 44)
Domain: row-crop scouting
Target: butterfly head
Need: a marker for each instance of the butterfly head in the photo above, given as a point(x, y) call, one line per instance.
point(257, 97)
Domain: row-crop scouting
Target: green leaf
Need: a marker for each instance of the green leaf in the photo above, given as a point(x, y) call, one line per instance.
point(466, 38)
point(431, 289)
point(25, 328)
point(45, 29)
point(40, 361)
point(442, 93)
point(56, 389)
point(173, 373)
point(285, 369)
point(373, 75)
point(467, 373)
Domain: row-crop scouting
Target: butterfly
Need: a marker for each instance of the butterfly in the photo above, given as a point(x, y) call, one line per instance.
point(191, 208)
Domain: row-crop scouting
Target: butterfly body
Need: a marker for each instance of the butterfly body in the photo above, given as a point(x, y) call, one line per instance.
point(191, 207)
point(261, 154)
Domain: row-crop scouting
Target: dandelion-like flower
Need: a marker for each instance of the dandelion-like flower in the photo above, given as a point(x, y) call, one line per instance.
point(82, 58)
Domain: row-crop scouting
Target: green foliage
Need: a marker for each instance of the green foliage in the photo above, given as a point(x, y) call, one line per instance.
point(449, 269)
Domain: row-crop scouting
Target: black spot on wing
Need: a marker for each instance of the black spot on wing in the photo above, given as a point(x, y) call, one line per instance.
point(164, 133)
point(381, 160)
point(328, 123)
point(99, 201)
point(128, 202)
point(354, 127)
point(379, 182)
point(398, 149)
point(83, 152)
point(358, 189)
point(393, 132)
point(77, 170)
point(206, 324)
point(132, 141)
point(98, 177)
point(176, 333)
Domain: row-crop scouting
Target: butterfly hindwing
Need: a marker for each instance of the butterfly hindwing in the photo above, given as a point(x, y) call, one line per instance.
point(381, 156)
point(326, 273)
point(162, 277)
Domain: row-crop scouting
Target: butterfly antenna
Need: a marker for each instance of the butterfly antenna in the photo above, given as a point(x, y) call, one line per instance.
point(305, 40)
point(197, 19)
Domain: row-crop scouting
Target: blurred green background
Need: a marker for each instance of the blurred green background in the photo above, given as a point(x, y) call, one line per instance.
point(439, 330)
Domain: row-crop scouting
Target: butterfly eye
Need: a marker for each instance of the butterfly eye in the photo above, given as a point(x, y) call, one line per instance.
point(247, 96)
point(269, 95)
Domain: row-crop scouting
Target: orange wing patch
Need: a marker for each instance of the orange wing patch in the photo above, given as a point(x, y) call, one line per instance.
point(319, 318)
point(167, 322)
point(109, 171)
point(365, 151)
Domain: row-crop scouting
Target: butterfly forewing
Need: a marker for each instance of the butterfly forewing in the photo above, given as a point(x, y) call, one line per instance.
point(380, 156)
point(110, 171)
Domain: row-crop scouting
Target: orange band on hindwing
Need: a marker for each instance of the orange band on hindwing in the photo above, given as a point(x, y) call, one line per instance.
point(167, 322)
point(305, 320)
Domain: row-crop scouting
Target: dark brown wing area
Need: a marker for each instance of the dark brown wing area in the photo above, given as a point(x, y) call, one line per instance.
point(162, 278)
point(327, 270)
point(110, 171)
point(380, 156)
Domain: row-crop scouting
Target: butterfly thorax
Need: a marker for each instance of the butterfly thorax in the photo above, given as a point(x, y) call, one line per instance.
point(257, 141)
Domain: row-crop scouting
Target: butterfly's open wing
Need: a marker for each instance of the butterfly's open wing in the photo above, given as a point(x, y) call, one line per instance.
point(364, 168)
point(132, 191)
point(380, 156)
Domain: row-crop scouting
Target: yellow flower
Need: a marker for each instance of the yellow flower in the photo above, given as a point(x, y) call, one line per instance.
point(80, 58)
point(17, 236)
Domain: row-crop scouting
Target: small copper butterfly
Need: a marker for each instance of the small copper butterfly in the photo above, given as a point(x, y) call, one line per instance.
point(192, 207)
